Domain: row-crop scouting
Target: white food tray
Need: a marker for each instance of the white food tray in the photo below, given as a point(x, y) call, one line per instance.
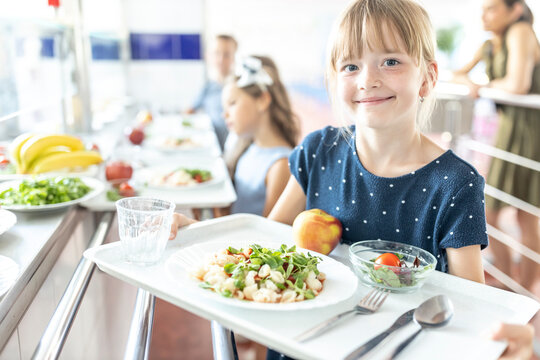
point(477, 307)
point(218, 194)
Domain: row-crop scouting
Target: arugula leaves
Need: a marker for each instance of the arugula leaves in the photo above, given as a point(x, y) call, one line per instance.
point(204, 175)
point(293, 265)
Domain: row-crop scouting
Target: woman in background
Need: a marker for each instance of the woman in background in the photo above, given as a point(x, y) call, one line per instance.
point(512, 58)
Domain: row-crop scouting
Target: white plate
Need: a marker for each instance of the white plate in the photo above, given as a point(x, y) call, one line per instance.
point(7, 220)
point(145, 176)
point(340, 283)
point(9, 177)
point(96, 185)
point(9, 270)
point(202, 142)
point(163, 124)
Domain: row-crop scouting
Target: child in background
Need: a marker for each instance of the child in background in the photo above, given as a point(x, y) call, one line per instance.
point(221, 65)
point(257, 107)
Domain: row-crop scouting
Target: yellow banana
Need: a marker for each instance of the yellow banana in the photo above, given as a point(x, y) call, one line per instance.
point(38, 143)
point(15, 147)
point(62, 160)
point(44, 154)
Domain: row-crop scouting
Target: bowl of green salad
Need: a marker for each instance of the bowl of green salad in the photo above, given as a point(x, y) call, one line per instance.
point(391, 265)
point(43, 193)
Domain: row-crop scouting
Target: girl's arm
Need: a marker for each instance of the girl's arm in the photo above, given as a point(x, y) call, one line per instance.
point(276, 180)
point(291, 203)
point(521, 44)
point(466, 262)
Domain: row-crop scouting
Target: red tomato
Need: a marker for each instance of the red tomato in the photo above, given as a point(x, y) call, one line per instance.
point(118, 170)
point(136, 136)
point(126, 190)
point(3, 160)
point(198, 178)
point(388, 259)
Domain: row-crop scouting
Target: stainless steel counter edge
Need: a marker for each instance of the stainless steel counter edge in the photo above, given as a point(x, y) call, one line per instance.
point(15, 302)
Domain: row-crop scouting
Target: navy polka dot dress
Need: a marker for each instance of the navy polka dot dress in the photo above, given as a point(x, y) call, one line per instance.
point(438, 206)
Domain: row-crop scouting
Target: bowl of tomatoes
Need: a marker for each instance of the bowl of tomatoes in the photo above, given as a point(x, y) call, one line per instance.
point(390, 265)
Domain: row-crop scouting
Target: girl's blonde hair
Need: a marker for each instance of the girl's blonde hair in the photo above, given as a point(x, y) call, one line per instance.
point(363, 22)
point(281, 114)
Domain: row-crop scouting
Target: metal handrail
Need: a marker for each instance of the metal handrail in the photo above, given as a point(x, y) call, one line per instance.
point(223, 343)
point(54, 337)
point(140, 333)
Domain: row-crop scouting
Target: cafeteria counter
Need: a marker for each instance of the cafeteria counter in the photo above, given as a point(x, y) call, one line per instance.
point(48, 248)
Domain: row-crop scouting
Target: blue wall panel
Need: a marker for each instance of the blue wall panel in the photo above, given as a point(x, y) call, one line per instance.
point(165, 46)
point(105, 49)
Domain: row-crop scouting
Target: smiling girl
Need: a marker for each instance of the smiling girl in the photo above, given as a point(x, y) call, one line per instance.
point(381, 176)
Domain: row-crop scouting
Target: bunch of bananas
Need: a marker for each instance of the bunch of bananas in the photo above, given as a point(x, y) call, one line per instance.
point(38, 153)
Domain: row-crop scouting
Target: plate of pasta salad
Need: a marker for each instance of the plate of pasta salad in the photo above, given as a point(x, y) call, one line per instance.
point(183, 175)
point(262, 275)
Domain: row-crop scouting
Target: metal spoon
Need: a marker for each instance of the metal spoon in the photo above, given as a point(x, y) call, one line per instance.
point(434, 312)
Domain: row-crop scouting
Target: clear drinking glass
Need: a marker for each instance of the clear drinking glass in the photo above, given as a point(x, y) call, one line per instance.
point(144, 225)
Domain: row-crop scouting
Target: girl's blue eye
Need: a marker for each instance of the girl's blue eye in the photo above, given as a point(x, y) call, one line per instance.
point(391, 62)
point(350, 68)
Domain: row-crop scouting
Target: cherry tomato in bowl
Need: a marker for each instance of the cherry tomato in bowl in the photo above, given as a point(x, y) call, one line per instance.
point(394, 266)
point(387, 259)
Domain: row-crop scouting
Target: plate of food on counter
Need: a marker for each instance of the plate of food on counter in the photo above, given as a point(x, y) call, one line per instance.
point(187, 142)
point(180, 176)
point(262, 275)
point(43, 193)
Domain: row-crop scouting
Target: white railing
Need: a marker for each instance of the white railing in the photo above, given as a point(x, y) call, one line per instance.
point(529, 101)
point(500, 154)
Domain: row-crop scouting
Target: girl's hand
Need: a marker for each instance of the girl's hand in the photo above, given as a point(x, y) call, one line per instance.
point(520, 340)
point(179, 221)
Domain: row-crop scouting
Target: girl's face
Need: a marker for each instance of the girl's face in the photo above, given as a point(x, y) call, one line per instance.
point(382, 88)
point(240, 110)
point(496, 16)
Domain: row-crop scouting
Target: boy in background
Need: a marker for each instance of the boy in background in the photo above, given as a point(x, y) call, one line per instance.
point(220, 60)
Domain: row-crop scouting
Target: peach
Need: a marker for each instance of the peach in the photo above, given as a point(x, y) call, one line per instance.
point(317, 230)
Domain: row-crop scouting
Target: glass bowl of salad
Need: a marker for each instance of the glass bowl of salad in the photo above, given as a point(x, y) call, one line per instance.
point(390, 265)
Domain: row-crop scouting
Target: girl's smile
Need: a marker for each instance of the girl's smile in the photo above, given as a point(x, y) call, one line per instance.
point(374, 100)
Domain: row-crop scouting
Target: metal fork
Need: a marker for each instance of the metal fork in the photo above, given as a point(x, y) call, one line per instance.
point(368, 305)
